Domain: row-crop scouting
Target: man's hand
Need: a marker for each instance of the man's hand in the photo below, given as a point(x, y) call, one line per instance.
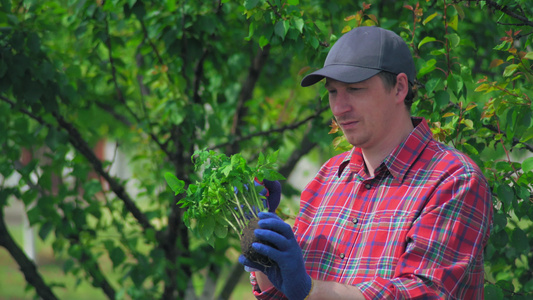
point(288, 274)
point(272, 193)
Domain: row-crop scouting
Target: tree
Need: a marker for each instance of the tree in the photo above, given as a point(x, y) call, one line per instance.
point(162, 78)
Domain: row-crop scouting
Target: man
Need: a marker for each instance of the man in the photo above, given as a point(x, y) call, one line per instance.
point(400, 216)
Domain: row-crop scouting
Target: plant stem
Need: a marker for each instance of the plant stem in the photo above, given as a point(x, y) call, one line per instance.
point(237, 219)
point(231, 223)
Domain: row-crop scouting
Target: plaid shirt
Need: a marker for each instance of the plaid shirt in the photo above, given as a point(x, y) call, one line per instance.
point(416, 230)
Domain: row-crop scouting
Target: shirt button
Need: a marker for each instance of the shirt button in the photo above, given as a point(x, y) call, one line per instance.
point(355, 221)
point(368, 186)
point(342, 255)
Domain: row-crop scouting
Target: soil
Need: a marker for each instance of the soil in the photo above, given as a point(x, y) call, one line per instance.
point(247, 238)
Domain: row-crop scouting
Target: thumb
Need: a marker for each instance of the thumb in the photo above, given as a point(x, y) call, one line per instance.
point(246, 262)
point(274, 190)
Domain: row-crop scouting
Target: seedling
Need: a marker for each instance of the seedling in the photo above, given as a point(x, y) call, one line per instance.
point(226, 197)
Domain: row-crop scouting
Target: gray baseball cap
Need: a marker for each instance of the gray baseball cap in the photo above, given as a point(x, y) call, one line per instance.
point(362, 53)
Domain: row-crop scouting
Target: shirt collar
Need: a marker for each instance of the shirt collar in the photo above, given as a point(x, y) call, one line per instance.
point(401, 158)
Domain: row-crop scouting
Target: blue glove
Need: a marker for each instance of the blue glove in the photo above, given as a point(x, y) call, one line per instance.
point(272, 192)
point(288, 273)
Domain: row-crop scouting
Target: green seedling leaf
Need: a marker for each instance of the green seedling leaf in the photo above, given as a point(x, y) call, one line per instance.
point(227, 169)
point(221, 231)
point(175, 184)
point(225, 195)
point(207, 227)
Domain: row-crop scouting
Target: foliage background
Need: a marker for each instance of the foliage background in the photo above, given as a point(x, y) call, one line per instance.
point(160, 79)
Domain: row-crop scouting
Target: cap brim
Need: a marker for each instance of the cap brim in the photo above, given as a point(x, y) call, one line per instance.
point(343, 73)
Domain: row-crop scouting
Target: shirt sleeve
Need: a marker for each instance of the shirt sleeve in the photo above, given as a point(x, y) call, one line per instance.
point(271, 293)
point(444, 247)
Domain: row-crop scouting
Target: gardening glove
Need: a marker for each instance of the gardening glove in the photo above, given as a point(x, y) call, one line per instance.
point(288, 273)
point(272, 192)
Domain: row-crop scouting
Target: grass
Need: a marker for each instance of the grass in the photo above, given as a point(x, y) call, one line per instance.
point(13, 284)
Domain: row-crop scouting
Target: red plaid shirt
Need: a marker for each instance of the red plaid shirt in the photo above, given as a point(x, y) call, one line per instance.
point(416, 230)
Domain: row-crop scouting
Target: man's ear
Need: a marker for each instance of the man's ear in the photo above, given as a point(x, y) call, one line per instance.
point(402, 87)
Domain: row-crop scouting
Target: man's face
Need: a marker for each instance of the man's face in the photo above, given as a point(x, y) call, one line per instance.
point(365, 111)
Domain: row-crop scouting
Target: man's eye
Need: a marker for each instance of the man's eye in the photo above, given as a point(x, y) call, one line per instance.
point(332, 91)
point(353, 89)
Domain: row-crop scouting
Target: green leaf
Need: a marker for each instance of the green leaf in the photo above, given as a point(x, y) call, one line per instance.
point(299, 24)
point(117, 256)
point(427, 39)
point(468, 123)
point(431, 84)
point(470, 149)
point(529, 55)
point(454, 22)
point(454, 39)
point(34, 215)
point(34, 43)
point(263, 41)
point(505, 195)
point(175, 184)
point(493, 292)
point(294, 2)
point(427, 67)
point(499, 222)
point(45, 229)
point(500, 239)
point(227, 169)
point(273, 157)
point(250, 4)
point(429, 18)
point(510, 70)
point(207, 227)
point(520, 241)
point(68, 265)
point(527, 165)
point(261, 159)
point(442, 98)
point(281, 29)
point(221, 231)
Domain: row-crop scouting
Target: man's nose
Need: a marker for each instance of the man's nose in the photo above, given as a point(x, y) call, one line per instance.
point(340, 105)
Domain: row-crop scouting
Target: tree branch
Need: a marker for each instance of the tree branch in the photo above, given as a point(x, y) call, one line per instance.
point(81, 145)
point(231, 282)
point(507, 11)
point(27, 267)
point(246, 94)
point(275, 130)
point(198, 73)
point(305, 146)
point(515, 140)
point(93, 269)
